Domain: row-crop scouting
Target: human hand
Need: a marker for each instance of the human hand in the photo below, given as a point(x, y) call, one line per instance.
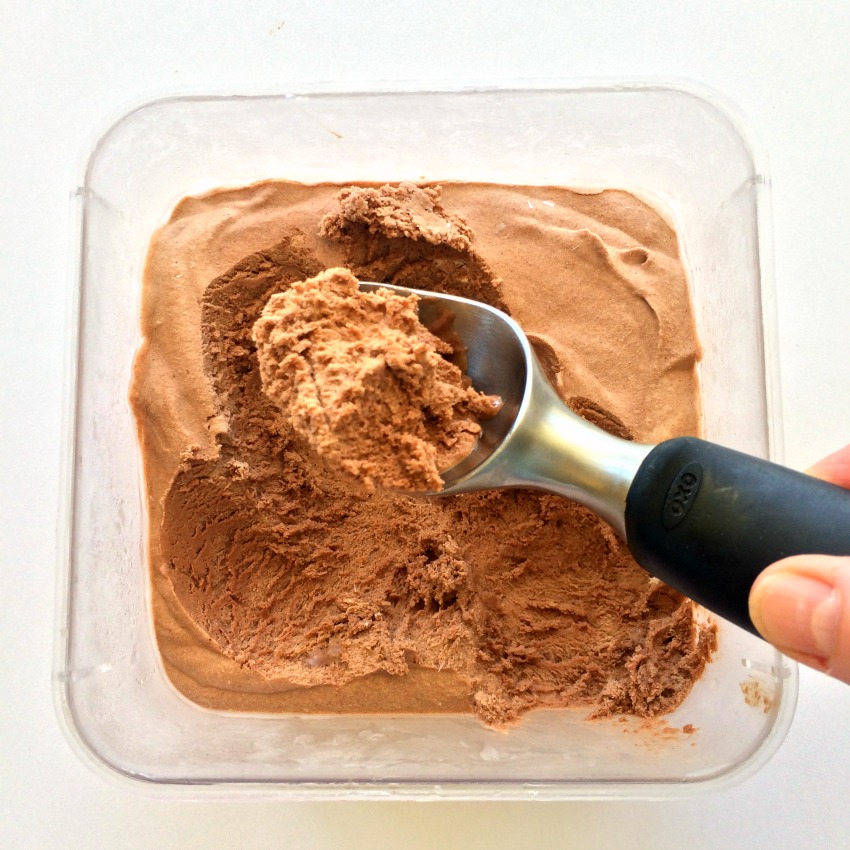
point(802, 604)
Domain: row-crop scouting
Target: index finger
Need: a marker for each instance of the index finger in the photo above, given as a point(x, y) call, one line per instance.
point(834, 468)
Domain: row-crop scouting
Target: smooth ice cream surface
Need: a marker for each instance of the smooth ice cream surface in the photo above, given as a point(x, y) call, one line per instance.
point(361, 379)
point(278, 585)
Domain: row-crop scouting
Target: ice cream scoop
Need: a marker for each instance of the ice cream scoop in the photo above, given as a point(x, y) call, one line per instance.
point(703, 518)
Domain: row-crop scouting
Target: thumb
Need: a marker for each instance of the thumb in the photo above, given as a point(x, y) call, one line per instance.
point(834, 468)
point(802, 606)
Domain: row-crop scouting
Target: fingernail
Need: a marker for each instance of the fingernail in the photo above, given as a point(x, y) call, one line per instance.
point(796, 612)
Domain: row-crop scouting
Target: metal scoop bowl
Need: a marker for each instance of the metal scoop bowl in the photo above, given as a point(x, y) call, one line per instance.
point(703, 518)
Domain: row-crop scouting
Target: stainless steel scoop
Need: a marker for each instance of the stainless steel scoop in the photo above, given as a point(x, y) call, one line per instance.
point(705, 519)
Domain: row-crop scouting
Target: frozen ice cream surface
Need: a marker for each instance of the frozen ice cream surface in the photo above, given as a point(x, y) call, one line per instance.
point(366, 383)
point(279, 584)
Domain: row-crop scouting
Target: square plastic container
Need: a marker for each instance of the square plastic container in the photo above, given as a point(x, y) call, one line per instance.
point(669, 145)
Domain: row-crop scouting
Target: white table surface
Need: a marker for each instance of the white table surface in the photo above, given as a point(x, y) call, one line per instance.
point(67, 70)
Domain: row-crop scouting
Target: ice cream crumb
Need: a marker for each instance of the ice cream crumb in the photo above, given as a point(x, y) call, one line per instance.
point(756, 695)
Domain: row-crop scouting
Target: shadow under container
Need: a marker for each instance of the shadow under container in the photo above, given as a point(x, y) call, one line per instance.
point(677, 149)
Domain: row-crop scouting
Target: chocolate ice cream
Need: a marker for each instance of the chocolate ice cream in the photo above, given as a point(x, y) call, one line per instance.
point(278, 585)
point(366, 384)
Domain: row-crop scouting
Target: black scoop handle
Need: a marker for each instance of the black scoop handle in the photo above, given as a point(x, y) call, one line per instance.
point(707, 520)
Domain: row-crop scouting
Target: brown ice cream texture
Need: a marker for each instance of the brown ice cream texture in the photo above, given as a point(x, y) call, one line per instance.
point(278, 585)
point(366, 384)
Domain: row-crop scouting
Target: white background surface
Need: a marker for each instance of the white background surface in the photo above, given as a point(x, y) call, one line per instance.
point(68, 70)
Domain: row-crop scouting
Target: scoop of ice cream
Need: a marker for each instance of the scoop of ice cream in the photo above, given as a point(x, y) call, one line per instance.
point(365, 383)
